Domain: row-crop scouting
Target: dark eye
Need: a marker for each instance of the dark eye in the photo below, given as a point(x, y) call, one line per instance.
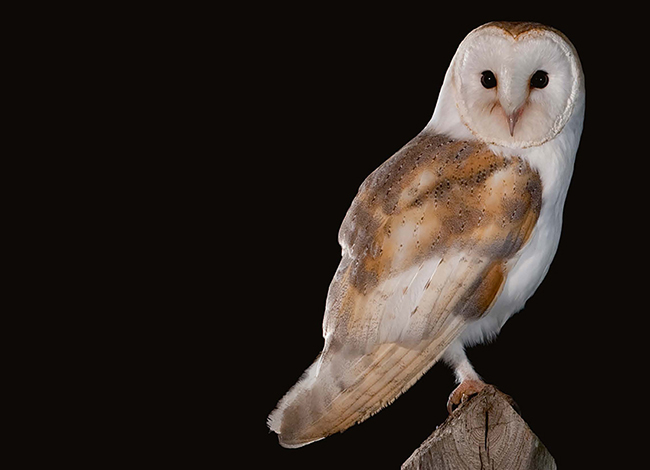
point(488, 80)
point(539, 79)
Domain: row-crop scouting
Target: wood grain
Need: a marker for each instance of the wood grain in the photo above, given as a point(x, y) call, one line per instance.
point(485, 433)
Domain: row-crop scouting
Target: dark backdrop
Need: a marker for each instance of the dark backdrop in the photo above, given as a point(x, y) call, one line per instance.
point(328, 95)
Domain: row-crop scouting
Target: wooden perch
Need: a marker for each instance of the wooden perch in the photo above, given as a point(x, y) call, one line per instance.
point(483, 433)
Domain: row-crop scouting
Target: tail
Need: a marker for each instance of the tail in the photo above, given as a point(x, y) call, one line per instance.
point(342, 388)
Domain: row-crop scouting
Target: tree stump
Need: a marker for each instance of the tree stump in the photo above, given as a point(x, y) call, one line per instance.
point(484, 433)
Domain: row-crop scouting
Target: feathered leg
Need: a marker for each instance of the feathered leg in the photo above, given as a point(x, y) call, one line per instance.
point(470, 383)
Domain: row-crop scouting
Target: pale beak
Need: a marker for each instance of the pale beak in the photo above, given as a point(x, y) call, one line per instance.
point(513, 118)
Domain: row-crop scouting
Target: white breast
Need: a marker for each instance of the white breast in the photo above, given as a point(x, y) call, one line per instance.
point(554, 161)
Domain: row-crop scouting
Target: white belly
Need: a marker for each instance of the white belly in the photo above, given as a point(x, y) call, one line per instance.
point(527, 271)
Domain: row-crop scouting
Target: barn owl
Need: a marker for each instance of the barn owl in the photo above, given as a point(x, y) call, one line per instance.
point(450, 236)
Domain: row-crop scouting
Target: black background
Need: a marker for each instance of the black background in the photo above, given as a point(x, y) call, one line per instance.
point(326, 95)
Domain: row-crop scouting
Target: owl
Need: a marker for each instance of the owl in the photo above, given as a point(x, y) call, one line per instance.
point(449, 237)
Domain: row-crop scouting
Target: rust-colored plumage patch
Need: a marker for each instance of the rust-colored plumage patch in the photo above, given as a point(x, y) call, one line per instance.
point(521, 28)
point(435, 199)
point(516, 28)
point(426, 245)
point(435, 195)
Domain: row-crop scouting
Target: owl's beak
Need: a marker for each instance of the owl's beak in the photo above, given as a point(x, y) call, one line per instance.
point(513, 117)
point(513, 97)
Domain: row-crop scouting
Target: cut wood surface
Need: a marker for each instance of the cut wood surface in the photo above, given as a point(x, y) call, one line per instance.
point(485, 433)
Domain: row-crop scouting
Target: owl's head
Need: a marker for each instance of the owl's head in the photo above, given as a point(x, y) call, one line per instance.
point(516, 84)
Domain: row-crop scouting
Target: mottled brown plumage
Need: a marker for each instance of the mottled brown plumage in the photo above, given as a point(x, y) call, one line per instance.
point(445, 190)
point(441, 218)
point(519, 28)
point(516, 28)
point(435, 197)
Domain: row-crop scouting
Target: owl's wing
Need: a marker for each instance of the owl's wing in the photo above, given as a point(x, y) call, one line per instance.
point(426, 245)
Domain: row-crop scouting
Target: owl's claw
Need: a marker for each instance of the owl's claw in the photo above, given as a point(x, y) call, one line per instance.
point(466, 389)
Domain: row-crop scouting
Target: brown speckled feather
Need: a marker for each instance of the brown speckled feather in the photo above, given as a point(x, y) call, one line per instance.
point(435, 198)
point(426, 249)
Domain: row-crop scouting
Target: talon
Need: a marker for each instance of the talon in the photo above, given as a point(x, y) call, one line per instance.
point(462, 393)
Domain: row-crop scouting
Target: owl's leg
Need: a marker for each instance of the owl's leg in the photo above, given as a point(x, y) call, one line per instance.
point(470, 382)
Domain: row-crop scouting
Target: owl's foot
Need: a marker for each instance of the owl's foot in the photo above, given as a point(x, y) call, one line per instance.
point(466, 389)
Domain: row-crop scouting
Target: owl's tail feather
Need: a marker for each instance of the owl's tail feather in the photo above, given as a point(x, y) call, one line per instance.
point(342, 388)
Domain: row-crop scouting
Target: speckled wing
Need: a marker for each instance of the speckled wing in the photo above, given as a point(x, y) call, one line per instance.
point(427, 244)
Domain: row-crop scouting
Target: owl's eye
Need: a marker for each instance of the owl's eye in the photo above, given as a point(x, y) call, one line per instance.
point(488, 80)
point(539, 79)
